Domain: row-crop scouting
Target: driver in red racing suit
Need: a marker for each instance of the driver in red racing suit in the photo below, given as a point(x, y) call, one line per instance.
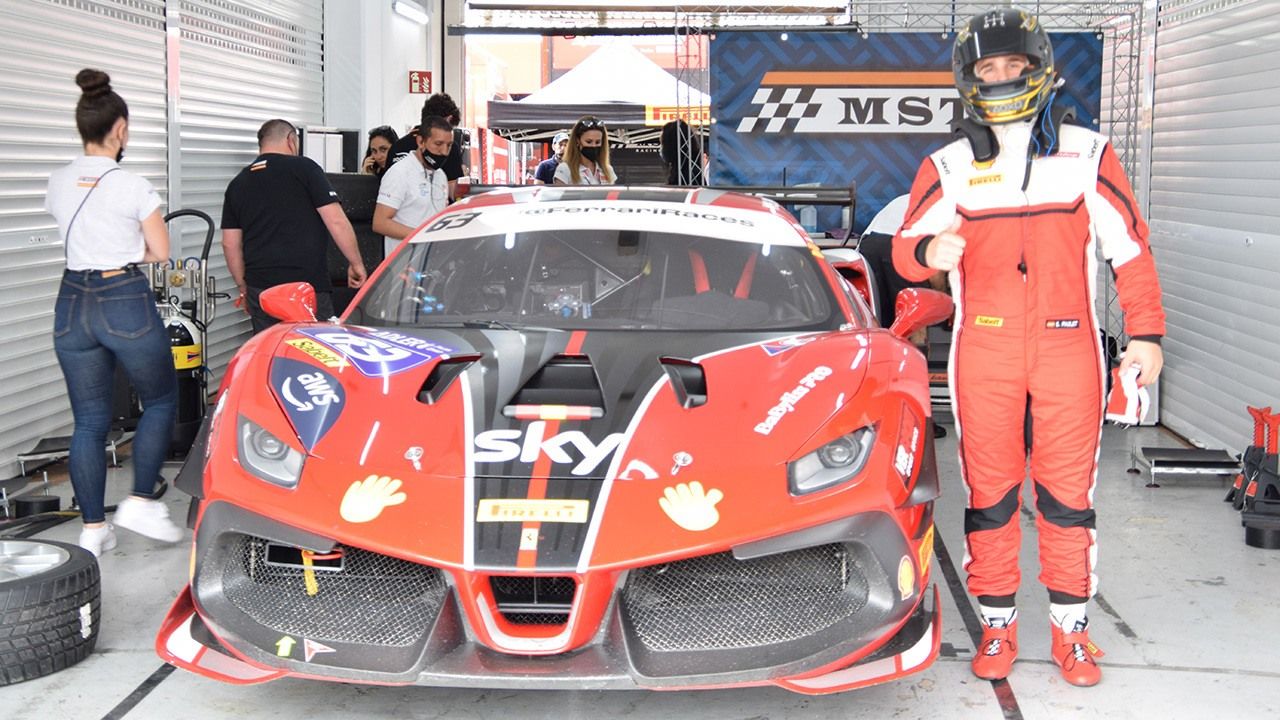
point(1015, 212)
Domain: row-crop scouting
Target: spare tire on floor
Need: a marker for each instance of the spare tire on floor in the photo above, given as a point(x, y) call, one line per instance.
point(49, 607)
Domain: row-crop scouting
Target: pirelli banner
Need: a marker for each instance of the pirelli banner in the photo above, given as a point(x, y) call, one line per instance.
point(829, 108)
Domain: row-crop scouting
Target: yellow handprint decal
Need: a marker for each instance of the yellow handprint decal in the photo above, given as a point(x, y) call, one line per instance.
point(690, 507)
point(366, 498)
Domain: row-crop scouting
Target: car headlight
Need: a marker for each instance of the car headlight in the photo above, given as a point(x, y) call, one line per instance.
point(836, 462)
point(267, 456)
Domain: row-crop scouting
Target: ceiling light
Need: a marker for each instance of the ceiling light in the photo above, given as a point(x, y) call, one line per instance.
point(411, 10)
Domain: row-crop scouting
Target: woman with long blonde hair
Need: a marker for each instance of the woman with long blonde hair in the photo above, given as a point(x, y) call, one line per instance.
point(586, 160)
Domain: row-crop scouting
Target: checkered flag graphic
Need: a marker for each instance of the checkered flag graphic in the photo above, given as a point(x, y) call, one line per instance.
point(780, 108)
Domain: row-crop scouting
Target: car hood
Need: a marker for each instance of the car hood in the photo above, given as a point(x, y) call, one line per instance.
point(514, 448)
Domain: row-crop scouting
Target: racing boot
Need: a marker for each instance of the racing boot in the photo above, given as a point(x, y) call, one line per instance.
point(1074, 654)
point(998, 649)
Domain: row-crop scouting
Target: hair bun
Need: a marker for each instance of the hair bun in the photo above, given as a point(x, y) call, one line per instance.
point(93, 82)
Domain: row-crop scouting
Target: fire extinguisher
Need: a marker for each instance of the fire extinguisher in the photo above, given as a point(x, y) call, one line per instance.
point(188, 363)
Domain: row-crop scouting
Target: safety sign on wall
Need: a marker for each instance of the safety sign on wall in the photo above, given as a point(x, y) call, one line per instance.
point(420, 82)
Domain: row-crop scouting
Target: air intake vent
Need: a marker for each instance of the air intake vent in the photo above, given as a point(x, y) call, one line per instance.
point(688, 380)
point(442, 376)
point(525, 600)
point(566, 380)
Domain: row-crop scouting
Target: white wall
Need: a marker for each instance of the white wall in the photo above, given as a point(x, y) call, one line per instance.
point(369, 51)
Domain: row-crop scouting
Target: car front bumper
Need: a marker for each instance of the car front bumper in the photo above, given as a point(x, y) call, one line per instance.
point(731, 619)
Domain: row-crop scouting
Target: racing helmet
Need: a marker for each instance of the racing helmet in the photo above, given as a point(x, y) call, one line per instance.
point(1003, 31)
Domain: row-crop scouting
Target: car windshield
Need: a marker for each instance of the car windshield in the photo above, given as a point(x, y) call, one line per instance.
point(595, 278)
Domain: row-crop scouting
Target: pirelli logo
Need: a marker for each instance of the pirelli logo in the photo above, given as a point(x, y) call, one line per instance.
point(854, 102)
point(561, 511)
point(659, 115)
point(985, 179)
point(988, 321)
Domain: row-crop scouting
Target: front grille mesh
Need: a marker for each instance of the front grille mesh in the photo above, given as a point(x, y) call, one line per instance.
point(373, 600)
point(716, 602)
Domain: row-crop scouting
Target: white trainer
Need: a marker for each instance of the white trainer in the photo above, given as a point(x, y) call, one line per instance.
point(147, 517)
point(97, 540)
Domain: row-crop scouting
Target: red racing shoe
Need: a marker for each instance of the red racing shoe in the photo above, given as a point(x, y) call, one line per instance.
point(1074, 654)
point(996, 652)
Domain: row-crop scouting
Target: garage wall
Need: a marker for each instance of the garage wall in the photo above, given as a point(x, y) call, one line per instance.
point(195, 106)
point(43, 44)
point(237, 66)
point(1214, 215)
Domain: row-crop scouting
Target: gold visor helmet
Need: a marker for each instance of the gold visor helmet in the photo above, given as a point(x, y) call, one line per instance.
point(1004, 31)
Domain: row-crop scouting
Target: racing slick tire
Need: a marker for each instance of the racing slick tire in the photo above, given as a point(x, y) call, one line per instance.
point(50, 595)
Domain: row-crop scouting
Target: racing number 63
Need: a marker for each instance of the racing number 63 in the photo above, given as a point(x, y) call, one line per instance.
point(453, 221)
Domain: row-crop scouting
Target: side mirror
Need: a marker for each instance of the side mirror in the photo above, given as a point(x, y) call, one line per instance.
point(918, 308)
point(290, 302)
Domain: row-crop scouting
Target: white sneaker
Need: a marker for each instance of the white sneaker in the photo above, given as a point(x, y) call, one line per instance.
point(98, 539)
point(147, 517)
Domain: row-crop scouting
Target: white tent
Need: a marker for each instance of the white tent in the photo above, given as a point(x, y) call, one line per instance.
point(618, 73)
point(617, 83)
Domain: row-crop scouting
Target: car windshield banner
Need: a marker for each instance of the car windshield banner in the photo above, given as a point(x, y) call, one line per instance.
point(830, 108)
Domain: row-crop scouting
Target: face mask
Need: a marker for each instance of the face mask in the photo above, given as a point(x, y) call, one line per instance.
point(591, 153)
point(120, 154)
point(433, 160)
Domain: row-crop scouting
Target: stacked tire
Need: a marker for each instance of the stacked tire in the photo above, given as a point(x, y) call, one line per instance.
point(50, 607)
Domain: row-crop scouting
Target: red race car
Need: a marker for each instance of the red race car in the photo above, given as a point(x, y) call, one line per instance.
point(572, 438)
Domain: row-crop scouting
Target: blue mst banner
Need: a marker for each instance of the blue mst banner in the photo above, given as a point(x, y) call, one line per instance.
point(832, 107)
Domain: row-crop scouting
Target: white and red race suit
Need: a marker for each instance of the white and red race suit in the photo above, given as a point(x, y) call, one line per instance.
point(1026, 341)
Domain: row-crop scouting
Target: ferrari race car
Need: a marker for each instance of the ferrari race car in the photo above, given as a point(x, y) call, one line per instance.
point(572, 438)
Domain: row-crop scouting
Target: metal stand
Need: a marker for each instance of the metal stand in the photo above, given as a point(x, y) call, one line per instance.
point(1184, 461)
point(57, 448)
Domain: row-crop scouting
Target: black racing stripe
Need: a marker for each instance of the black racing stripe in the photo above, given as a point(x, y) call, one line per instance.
point(560, 544)
point(1055, 511)
point(911, 213)
point(995, 516)
point(497, 544)
point(974, 217)
point(1133, 215)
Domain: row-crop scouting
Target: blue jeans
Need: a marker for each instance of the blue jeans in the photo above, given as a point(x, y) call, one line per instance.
point(98, 322)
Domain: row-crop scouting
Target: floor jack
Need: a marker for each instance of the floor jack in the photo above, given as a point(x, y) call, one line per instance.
point(1252, 458)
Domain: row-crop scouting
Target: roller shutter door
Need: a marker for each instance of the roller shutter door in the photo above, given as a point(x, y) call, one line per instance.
point(239, 64)
point(1215, 180)
point(43, 43)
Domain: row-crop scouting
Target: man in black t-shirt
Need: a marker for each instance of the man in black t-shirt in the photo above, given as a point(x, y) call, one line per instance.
point(278, 216)
point(438, 105)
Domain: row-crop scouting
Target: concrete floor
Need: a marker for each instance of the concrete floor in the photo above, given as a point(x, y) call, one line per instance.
point(1189, 617)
